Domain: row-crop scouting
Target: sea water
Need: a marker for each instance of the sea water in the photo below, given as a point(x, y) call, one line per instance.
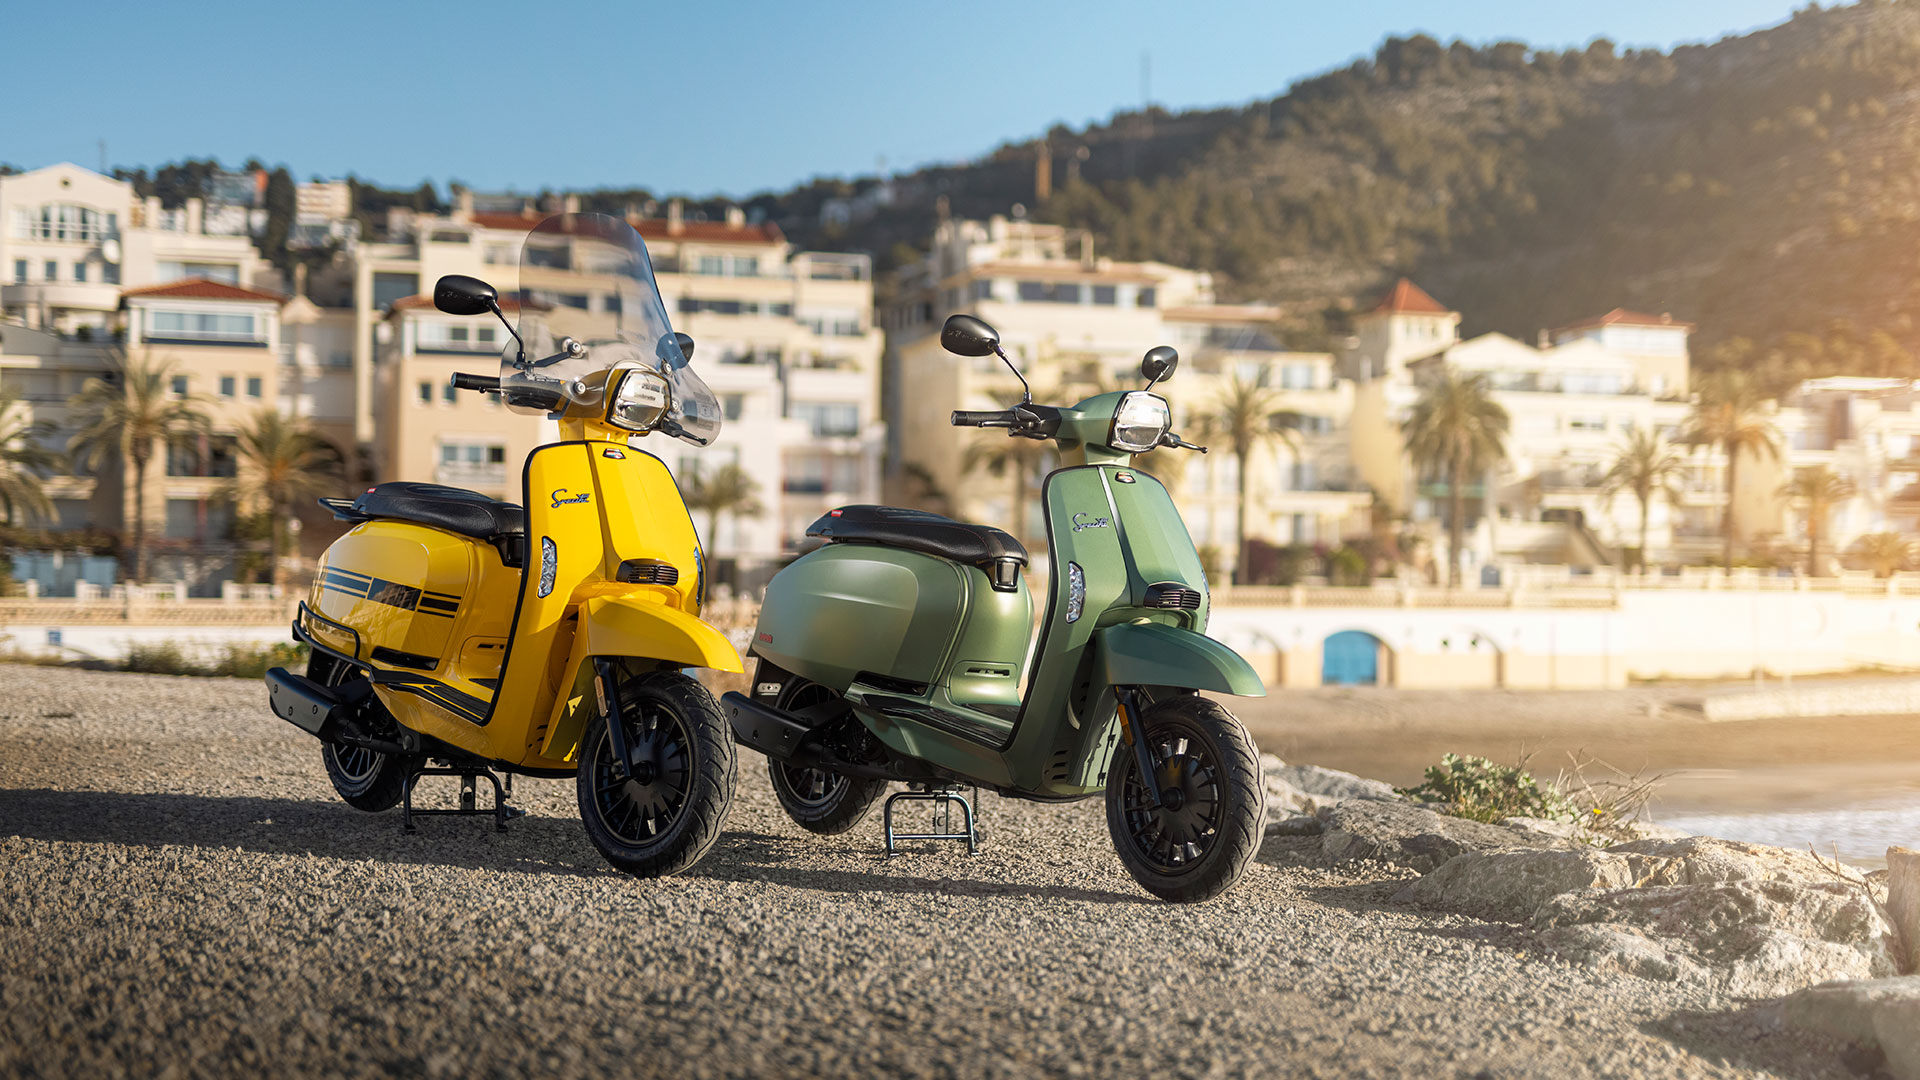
point(1858, 834)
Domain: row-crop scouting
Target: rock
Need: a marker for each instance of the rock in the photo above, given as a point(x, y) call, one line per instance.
point(1296, 825)
point(1612, 947)
point(1406, 835)
point(1701, 860)
point(1329, 786)
point(1647, 830)
point(1883, 1013)
point(1759, 938)
point(1903, 904)
point(1565, 830)
point(1511, 885)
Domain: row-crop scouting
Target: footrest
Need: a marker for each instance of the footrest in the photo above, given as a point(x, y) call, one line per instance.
point(501, 812)
point(943, 800)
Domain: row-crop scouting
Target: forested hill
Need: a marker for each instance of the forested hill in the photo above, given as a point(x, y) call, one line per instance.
point(1766, 187)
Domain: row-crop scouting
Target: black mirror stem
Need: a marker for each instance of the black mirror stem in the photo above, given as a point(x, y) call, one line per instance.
point(1026, 392)
point(520, 347)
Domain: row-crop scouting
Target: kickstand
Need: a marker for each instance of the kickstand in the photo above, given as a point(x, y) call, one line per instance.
point(501, 812)
point(944, 799)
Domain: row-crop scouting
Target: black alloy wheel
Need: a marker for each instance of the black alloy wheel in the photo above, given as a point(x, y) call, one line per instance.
point(819, 801)
point(365, 779)
point(1203, 834)
point(667, 811)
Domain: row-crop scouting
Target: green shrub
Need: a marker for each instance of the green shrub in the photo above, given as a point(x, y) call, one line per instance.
point(1473, 787)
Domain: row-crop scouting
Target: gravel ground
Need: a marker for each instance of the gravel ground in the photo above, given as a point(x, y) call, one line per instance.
point(182, 895)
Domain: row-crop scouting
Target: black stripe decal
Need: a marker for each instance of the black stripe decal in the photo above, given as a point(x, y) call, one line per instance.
point(343, 572)
point(441, 605)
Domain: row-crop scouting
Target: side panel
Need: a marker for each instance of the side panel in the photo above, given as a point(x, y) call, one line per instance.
point(1157, 541)
point(848, 608)
point(1155, 654)
point(643, 517)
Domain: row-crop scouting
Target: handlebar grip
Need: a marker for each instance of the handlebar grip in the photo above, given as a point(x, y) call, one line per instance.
point(464, 381)
point(981, 418)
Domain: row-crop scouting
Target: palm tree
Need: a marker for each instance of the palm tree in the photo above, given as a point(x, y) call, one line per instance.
point(1244, 417)
point(1003, 455)
point(22, 460)
point(727, 490)
point(282, 462)
point(1886, 552)
point(124, 417)
point(1821, 489)
point(1643, 465)
point(1455, 427)
point(1726, 416)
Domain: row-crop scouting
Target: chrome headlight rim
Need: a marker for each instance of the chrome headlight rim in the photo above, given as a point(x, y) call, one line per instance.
point(1129, 426)
point(643, 389)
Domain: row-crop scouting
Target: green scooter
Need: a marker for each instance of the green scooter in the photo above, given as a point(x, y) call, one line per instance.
point(897, 652)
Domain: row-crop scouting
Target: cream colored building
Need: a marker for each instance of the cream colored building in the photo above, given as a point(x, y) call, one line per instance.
point(1077, 324)
point(1573, 401)
point(71, 240)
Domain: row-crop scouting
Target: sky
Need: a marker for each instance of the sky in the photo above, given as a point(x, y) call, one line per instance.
point(716, 98)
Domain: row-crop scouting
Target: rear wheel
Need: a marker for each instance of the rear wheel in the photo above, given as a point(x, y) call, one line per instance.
point(681, 771)
point(1202, 836)
point(365, 779)
point(819, 801)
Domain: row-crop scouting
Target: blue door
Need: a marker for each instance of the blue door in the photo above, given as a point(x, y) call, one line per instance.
point(1351, 658)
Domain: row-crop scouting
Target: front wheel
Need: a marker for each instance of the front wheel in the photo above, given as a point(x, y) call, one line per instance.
point(681, 770)
point(1202, 836)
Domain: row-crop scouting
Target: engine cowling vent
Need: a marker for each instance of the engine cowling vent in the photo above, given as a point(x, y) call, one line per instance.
point(1172, 596)
point(648, 572)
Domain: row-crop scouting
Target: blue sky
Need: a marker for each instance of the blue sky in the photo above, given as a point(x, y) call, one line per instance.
point(719, 97)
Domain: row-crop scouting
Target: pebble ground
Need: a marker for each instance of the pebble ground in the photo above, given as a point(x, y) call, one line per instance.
point(181, 895)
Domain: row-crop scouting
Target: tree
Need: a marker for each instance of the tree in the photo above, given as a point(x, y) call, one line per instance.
point(1004, 455)
point(1821, 489)
point(282, 461)
point(22, 461)
point(122, 418)
point(1885, 552)
point(1643, 465)
point(727, 490)
point(1244, 418)
point(1726, 416)
point(1456, 429)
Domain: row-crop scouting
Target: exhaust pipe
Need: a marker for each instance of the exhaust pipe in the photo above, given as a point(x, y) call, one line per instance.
point(325, 712)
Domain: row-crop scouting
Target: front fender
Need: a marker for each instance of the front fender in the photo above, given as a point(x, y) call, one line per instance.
point(1155, 654)
point(617, 626)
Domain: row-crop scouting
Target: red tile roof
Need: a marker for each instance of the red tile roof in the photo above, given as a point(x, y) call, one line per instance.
point(203, 289)
point(1407, 298)
point(706, 232)
point(507, 303)
point(1623, 317)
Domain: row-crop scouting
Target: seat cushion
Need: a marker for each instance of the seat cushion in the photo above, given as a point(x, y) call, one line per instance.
point(918, 530)
point(456, 510)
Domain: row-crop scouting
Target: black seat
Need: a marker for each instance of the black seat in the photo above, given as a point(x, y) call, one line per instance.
point(994, 550)
point(457, 510)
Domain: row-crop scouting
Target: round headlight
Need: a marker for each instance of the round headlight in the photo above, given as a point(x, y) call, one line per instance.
point(641, 400)
point(1139, 422)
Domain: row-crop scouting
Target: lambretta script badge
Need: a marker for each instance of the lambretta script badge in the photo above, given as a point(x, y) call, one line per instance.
point(1084, 520)
point(562, 497)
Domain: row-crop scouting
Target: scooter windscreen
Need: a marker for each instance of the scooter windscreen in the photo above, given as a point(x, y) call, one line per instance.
point(589, 307)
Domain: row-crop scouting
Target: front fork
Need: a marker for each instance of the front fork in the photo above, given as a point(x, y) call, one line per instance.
point(606, 687)
point(1133, 727)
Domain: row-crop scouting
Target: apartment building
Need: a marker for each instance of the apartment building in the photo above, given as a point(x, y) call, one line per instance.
point(1573, 400)
point(1866, 432)
point(785, 338)
point(71, 240)
point(1078, 324)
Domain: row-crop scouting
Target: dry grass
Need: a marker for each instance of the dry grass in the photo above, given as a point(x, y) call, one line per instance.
point(1906, 954)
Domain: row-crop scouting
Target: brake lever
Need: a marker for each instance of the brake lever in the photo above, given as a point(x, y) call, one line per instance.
point(1178, 443)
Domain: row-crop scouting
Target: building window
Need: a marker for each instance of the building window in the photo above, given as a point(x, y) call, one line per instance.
point(253, 386)
point(202, 326)
point(732, 404)
point(52, 269)
point(20, 271)
point(1065, 293)
point(226, 273)
point(226, 386)
point(426, 393)
point(80, 271)
point(1146, 297)
point(1033, 291)
point(1586, 423)
point(829, 419)
point(1105, 295)
point(746, 266)
point(447, 392)
point(983, 290)
point(57, 221)
point(179, 386)
point(390, 287)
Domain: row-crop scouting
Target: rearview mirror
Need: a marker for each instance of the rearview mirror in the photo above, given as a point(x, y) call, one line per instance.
point(686, 345)
point(458, 294)
point(968, 336)
point(1159, 363)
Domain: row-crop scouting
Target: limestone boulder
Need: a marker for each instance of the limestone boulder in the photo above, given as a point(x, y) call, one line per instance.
point(1407, 835)
point(1510, 886)
point(1883, 1013)
point(1329, 786)
point(1702, 860)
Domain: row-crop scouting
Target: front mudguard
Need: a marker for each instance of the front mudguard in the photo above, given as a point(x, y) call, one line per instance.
point(650, 632)
point(1155, 654)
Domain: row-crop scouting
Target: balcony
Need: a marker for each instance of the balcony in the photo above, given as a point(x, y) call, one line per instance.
point(479, 477)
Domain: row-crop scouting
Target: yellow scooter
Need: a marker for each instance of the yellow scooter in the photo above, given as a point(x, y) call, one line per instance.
point(453, 634)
